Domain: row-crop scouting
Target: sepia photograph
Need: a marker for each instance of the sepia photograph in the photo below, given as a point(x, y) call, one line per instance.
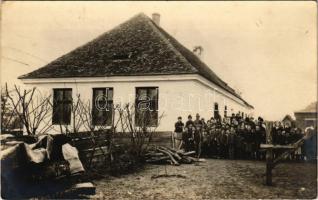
point(158, 100)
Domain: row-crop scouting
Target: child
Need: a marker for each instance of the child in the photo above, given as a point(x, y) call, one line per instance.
point(177, 137)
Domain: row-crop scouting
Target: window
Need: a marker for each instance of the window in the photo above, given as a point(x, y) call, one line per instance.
point(225, 111)
point(146, 105)
point(102, 106)
point(62, 106)
point(121, 57)
point(216, 110)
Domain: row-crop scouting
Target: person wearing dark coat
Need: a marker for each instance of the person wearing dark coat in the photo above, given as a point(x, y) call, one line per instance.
point(178, 129)
point(232, 117)
point(198, 123)
point(248, 141)
point(274, 133)
point(206, 138)
point(197, 138)
point(188, 137)
point(213, 142)
point(238, 145)
point(258, 141)
point(280, 134)
point(231, 143)
point(223, 143)
point(189, 121)
point(179, 125)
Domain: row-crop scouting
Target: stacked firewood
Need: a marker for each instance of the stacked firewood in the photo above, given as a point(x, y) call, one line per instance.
point(162, 155)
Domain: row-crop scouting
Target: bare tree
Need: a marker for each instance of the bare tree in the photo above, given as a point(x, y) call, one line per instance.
point(139, 126)
point(84, 112)
point(32, 108)
point(9, 120)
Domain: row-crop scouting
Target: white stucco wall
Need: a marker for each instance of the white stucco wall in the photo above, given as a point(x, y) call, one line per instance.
point(178, 95)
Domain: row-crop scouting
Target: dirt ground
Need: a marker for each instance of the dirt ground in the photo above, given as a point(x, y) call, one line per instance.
point(212, 179)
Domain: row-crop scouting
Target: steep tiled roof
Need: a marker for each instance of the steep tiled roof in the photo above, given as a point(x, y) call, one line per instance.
point(136, 47)
point(311, 108)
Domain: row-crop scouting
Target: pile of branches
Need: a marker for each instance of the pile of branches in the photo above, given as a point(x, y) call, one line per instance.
point(163, 155)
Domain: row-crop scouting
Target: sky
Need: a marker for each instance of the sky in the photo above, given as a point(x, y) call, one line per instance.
point(266, 50)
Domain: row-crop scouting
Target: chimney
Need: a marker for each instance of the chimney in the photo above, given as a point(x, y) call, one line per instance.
point(198, 51)
point(156, 18)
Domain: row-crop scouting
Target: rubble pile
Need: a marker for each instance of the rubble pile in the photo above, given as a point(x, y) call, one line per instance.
point(46, 165)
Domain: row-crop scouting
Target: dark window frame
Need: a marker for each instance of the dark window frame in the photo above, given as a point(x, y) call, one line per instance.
point(152, 112)
point(225, 111)
point(58, 117)
point(216, 110)
point(107, 114)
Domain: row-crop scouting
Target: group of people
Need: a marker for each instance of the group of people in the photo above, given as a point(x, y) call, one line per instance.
point(234, 137)
point(284, 134)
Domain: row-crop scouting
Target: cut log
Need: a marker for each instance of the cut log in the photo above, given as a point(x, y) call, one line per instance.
point(171, 149)
point(159, 159)
point(171, 156)
point(188, 153)
point(162, 154)
point(186, 160)
point(154, 154)
point(172, 153)
point(196, 159)
point(181, 152)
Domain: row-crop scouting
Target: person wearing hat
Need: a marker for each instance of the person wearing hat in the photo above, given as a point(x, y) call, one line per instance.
point(198, 134)
point(197, 122)
point(177, 136)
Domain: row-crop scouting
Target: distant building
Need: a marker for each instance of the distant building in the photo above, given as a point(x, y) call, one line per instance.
point(307, 117)
point(288, 120)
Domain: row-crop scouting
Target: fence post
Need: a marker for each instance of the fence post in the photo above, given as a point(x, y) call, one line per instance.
point(269, 166)
point(269, 154)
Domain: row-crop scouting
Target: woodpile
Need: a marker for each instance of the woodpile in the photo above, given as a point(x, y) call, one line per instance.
point(162, 155)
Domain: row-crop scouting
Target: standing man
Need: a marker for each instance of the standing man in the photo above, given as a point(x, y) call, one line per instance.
point(197, 141)
point(187, 137)
point(177, 136)
point(197, 122)
point(198, 134)
point(231, 142)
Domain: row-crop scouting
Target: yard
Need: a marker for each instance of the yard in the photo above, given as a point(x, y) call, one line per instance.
point(211, 179)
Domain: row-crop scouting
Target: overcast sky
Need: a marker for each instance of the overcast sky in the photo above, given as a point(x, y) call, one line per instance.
point(266, 50)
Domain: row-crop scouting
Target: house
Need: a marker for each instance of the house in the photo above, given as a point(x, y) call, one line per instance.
point(288, 120)
point(307, 117)
point(137, 59)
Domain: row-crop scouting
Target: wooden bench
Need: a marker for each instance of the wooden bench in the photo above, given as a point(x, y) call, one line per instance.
point(271, 163)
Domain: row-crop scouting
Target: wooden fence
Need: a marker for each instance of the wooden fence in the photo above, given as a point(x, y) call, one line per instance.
point(94, 147)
